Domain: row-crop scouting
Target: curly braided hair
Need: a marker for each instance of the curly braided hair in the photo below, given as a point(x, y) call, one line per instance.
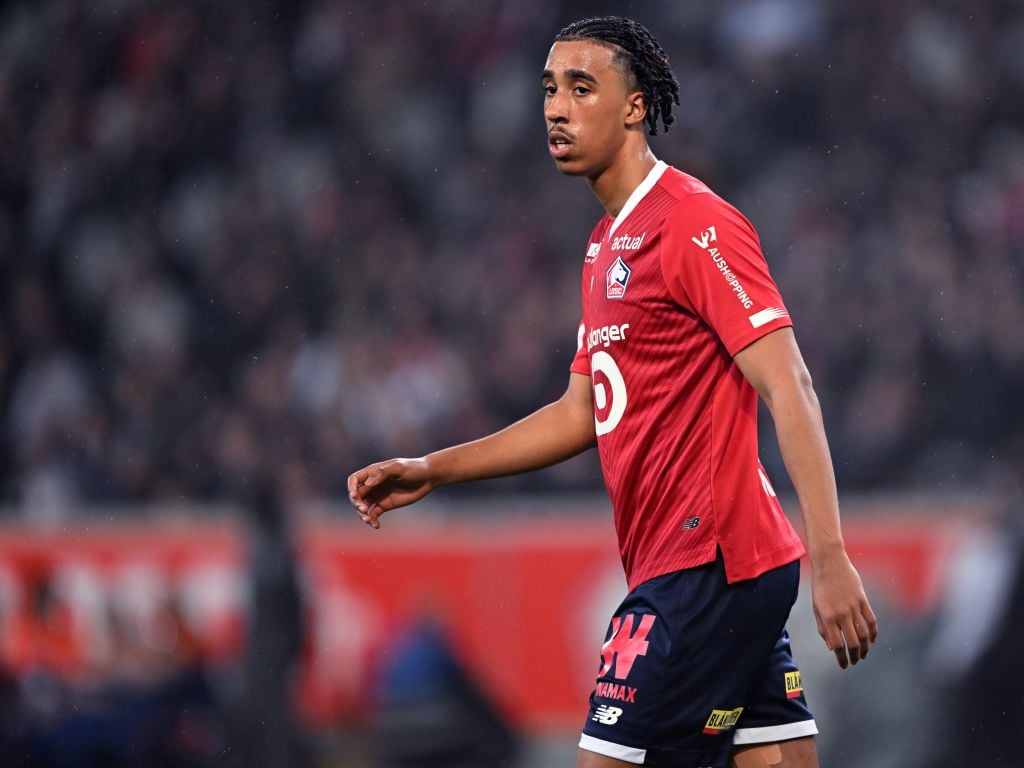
point(639, 56)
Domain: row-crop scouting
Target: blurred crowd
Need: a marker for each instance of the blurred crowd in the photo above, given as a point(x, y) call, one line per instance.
point(139, 697)
point(294, 236)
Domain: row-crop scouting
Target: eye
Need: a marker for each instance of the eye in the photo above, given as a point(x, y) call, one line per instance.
point(581, 90)
point(549, 90)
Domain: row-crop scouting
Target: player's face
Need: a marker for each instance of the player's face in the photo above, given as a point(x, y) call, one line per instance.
point(587, 107)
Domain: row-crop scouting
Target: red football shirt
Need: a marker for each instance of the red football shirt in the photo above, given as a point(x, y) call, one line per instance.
point(672, 289)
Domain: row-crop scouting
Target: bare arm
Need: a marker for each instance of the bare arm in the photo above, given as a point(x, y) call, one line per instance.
point(547, 436)
point(775, 368)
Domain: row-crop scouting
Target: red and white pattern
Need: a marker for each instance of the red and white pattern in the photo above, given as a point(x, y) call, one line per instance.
point(676, 419)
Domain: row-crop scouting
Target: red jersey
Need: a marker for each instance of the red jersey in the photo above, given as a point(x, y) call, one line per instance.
point(672, 289)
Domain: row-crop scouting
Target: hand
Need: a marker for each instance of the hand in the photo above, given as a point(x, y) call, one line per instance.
point(386, 485)
point(845, 619)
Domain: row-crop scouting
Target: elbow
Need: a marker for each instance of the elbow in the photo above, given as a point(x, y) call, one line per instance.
point(803, 380)
point(578, 420)
point(796, 387)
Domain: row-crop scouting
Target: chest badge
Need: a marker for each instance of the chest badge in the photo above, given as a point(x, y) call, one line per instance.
point(616, 279)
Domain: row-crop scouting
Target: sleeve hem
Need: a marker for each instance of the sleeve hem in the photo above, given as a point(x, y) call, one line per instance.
point(744, 341)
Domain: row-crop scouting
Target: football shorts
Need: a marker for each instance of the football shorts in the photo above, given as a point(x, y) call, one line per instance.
point(692, 664)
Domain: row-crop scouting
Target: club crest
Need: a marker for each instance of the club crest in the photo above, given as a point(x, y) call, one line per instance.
point(616, 279)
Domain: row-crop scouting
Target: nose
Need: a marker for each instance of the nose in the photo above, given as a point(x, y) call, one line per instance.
point(556, 108)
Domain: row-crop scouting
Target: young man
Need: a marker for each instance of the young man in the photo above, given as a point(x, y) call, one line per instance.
point(682, 328)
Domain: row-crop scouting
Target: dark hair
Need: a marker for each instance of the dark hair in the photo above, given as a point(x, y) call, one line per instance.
point(640, 57)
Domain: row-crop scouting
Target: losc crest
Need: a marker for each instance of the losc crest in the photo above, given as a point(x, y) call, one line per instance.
point(616, 279)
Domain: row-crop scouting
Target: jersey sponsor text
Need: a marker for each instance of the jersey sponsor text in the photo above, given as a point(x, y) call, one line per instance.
point(628, 242)
point(707, 237)
point(606, 334)
point(794, 685)
point(730, 278)
point(616, 691)
point(721, 719)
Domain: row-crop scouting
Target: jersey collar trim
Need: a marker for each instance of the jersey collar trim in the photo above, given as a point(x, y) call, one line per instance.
point(639, 193)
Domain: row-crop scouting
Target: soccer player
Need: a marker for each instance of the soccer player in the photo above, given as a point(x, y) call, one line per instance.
point(682, 329)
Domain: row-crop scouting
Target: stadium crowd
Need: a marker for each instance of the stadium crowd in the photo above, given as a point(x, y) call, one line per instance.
point(291, 236)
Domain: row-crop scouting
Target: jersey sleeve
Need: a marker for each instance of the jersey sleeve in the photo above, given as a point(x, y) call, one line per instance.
point(581, 362)
point(713, 266)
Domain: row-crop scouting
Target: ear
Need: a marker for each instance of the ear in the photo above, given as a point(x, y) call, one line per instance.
point(636, 109)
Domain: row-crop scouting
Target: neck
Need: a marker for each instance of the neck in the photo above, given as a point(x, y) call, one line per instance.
point(616, 183)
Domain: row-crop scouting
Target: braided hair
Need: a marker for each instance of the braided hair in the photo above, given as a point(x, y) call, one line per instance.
point(640, 58)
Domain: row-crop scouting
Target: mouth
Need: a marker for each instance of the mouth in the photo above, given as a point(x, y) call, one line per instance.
point(559, 143)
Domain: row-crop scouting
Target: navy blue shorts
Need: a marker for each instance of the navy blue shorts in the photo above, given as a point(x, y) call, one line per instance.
point(692, 665)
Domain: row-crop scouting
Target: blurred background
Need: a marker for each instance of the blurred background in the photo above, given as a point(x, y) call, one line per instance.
point(248, 247)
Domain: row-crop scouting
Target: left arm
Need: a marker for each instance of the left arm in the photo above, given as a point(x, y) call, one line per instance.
point(774, 366)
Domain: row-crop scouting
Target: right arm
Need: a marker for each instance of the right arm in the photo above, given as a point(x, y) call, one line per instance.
point(547, 436)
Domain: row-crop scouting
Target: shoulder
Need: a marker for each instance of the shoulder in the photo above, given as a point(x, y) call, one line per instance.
point(600, 228)
point(694, 200)
point(682, 185)
point(697, 206)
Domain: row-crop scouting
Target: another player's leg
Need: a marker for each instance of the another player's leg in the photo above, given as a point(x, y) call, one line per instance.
point(796, 753)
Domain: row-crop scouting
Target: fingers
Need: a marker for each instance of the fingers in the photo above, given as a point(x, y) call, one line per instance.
point(361, 482)
point(872, 622)
point(359, 486)
point(357, 492)
point(865, 627)
point(834, 640)
point(356, 488)
point(850, 636)
point(372, 516)
point(855, 648)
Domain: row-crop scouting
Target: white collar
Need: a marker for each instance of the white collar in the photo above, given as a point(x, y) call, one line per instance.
point(642, 189)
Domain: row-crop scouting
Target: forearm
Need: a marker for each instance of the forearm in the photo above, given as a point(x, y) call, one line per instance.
point(804, 447)
point(774, 366)
point(545, 437)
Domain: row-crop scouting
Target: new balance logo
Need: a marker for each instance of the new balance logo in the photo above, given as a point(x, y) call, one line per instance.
point(593, 251)
point(625, 645)
point(690, 523)
point(606, 715)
